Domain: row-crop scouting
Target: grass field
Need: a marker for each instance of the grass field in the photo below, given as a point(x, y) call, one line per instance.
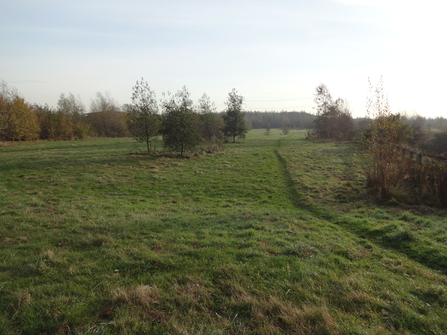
point(275, 235)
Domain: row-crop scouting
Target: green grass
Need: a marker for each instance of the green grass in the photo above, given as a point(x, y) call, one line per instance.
point(276, 235)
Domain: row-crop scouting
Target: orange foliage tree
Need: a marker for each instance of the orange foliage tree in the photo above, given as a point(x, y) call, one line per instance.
point(18, 120)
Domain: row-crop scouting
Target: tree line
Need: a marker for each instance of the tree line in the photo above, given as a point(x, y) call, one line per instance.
point(279, 120)
point(181, 124)
point(23, 121)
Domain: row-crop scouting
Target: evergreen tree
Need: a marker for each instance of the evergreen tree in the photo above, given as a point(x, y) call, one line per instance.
point(211, 124)
point(180, 123)
point(234, 117)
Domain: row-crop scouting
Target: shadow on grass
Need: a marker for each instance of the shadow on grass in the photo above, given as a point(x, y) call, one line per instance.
point(298, 199)
point(406, 243)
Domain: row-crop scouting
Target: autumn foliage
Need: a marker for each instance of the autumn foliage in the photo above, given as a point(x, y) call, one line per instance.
point(18, 120)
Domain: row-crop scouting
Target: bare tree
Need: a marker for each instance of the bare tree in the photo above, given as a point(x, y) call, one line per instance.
point(106, 117)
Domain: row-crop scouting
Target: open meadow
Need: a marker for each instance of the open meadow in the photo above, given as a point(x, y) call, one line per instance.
point(274, 235)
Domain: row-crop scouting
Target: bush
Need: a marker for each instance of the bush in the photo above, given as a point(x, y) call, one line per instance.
point(429, 178)
point(388, 164)
point(386, 168)
point(18, 120)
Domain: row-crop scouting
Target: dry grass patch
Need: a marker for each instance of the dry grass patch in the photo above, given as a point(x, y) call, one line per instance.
point(20, 299)
point(47, 254)
point(191, 295)
point(256, 313)
point(141, 295)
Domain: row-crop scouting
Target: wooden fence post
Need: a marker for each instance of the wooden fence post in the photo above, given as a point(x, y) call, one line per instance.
point(419, 157)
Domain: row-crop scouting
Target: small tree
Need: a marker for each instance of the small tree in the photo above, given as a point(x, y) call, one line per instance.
point(18, 120)
point(180, 123)
point(387, 165)
point(267, 129)
point(106, 117)
point(386, 127)
point(72, 117)
point(44, 117)
point(211, 124)
point(234, 117)
point(334, 120)
point(142, 117)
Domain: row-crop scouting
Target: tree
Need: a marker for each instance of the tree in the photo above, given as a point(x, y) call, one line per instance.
point(267, 129)
point(106, 117)
point(181, 124)
point(234, 117)
point(386, 127)
point(333, 120)
point(18, 120)
point(72, 117)
point(211, 124)
point(48, 121)
point(387, 165)
point(143, 119)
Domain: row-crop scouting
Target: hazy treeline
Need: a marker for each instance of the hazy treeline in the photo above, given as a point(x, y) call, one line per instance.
point(104, 117)
point(429, 135)
point(292, 120)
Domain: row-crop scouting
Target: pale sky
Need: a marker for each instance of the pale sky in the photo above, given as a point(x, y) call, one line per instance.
point(274, 52)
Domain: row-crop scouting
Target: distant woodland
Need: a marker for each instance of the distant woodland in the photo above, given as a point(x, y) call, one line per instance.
point(272, 119)
point(21, 120)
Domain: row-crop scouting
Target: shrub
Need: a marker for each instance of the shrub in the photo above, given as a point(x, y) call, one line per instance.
point(429, 178)
point(334, 120)
point(387, 164)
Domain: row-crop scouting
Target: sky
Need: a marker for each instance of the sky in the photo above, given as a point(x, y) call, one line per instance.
point(273, 52)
